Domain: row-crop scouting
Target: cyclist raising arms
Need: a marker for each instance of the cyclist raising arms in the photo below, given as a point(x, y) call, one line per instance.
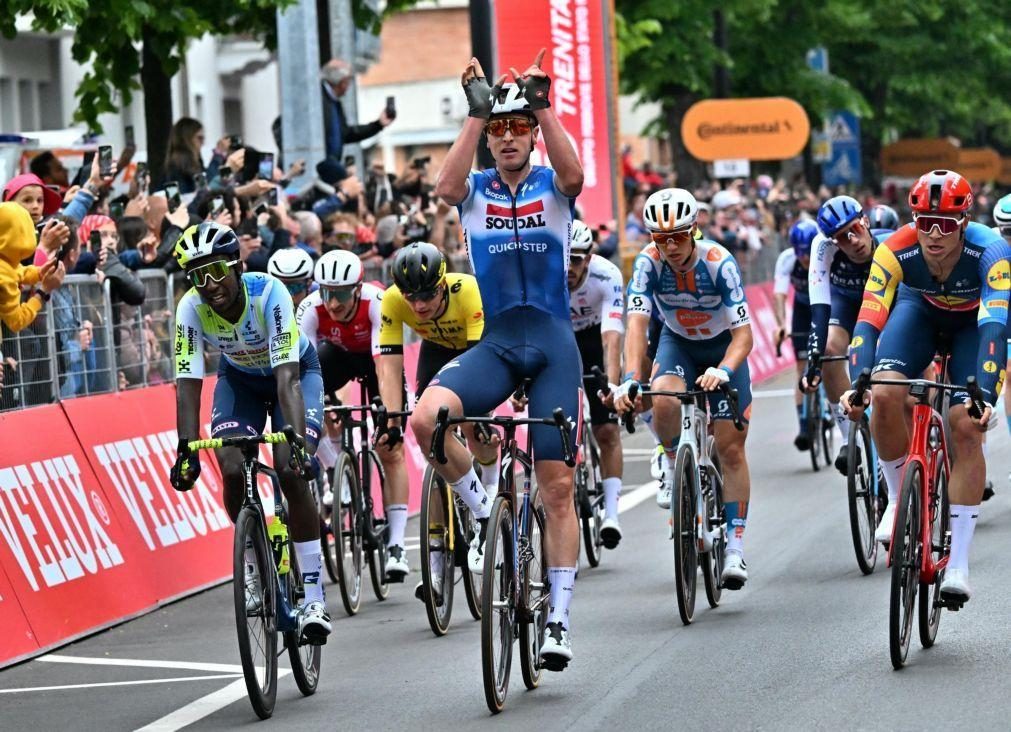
point(266, 368)
point(518, 221)
point(705, 341)
point(596, 305)
point(956, 280)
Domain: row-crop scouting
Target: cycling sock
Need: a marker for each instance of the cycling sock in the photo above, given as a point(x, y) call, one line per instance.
point(489, 476)
point(647, 419)
point(842, 422)
point(562, 581)
point(800, 417)
point(612, 489)
point(310, 564)
point(396, 516)
point(963, 524)
point(737, 519)
point(892, 470)
point(327, 454)
point(469, 488)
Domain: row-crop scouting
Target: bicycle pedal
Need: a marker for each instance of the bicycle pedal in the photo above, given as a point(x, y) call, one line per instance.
point(553, 663)
point(395, 577)
point(312, 639)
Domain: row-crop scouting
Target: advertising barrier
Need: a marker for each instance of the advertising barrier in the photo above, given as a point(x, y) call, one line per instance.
point(761, 128)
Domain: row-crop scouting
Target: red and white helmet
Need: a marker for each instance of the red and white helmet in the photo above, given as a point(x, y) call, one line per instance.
point(941, 191)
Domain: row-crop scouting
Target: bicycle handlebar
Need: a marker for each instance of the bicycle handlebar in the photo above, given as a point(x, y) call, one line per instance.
point(298, 460)
point(976, 402)
point(443, 422)
point(628, 418)
point(732, 395)
point(382, 418)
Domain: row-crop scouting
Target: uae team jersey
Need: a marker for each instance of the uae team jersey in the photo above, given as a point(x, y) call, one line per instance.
point(519, 245)
point(357, 334)
point(265, 337)
point(698, 304)
point(598, 301)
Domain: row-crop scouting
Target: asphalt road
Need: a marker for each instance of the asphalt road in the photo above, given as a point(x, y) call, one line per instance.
point(804, 645)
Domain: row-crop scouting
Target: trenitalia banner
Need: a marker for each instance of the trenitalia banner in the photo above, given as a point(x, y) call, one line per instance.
point(577, 35)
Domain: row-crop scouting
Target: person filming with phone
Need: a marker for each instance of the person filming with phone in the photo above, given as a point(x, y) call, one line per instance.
point(336, 77)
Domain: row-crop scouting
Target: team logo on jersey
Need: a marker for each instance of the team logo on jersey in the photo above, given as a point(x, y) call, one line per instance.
point(715, 255)
point(999, 276)
point(496, 185)
point(528, 216)
point(692, 318)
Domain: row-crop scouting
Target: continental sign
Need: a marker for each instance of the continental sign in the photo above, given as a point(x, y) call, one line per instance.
point(912, 158)
point(979, 164)
point(766, 128)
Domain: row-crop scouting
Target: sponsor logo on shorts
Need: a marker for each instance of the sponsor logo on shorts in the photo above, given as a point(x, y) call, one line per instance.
point(310, 432)
point(990, 367)
point(224, 426)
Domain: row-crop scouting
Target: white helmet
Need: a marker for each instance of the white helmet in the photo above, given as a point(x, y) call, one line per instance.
point(1002, 212)
point(672, 209)
point(293, 263)
point(582, 238)
point(511, 100)
point(339, 268)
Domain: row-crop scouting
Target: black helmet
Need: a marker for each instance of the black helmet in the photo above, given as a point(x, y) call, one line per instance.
point(418, 267)
point(883, 217)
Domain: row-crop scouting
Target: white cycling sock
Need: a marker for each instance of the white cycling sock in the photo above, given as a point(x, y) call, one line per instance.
point(489, 476)
point(963, 524)
point(892, 470)
point(327, 454)
point(612, 489)
point(396, 516)
point(469, 488)
point(842, 422)
point(310, 564)
point(647, 419)
point(563, 582)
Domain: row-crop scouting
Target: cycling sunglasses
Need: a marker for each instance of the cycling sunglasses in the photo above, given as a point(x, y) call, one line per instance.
point(925, 223)
point(215, 272)
point(676, 238)
point(577, 258)
point(852, 231)
point(423, 295)
point(517, 126)
point(340, 294)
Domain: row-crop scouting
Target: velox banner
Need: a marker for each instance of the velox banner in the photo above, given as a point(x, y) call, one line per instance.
point(576, 37)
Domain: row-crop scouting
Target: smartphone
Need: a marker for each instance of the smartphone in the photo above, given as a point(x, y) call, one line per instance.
point(391, 108)
point(105, 161)
point(272, 196)
point(200, 180)
point(265, 170)
point(65, 250)
point(142, 177)
point(128, 134)
point(217, 206)
point(260, 207)
point(234, 143)
point(172, 194)
point(84, 172)
point(95, 242)
point(116, 209)
point(39, 227)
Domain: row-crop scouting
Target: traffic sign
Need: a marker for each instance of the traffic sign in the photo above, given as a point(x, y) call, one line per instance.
point(731, 168)
point(844, 165)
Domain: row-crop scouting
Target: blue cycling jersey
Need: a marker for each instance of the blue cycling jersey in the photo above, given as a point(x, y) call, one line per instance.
point(519, 245)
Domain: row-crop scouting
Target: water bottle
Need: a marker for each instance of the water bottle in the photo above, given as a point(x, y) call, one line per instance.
point(277, 531)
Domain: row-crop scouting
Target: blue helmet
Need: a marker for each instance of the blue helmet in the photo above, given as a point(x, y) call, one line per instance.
point(883, 217)
point(802, 234)
point(838, 212)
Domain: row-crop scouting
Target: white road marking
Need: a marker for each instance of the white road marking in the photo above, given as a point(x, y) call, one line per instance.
point(228, 668)
point(647, 451)
point(631, 499)
point(203, 707)
point(116, 683)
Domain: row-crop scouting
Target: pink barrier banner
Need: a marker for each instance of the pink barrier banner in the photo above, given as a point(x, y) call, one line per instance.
point(763, 362)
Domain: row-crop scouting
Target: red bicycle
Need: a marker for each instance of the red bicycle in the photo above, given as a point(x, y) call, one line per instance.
point(921, 537)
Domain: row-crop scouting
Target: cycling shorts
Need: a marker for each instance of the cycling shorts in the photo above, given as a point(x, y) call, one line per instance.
point(800, 326)
point(688, 359)
point(242, 401)
point(521, 343)
point(431, 358)
point(845, 308)
point(340, 366)
point(591, 351)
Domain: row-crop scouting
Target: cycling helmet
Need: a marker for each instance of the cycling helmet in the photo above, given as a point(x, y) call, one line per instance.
point(510, 100)
point(290, 264)
point(670, 209)
point(802, 234)
point(419, 267)
point(940, 191)
point(837, 213)
point(1002, 212)
point(582, 239)
point(339, 268)
point(884, 217)
point(205, 240)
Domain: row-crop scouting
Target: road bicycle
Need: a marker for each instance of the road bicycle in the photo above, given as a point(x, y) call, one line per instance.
point(816, 415)
point(589, 483)
point(266, 598)
point(515, 592)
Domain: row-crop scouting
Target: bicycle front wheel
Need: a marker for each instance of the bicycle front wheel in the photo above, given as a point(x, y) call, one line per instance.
point(347, 533)
point(905, 565)
point(437, 565)
point(498, 611)
point(712, 561)
point(379, 553)
point(536, 600)
point(812, 426)
point(305, 659)
point(940, 519)
point(683, 509)
point(863, 503)
point(466, 525)
point(254, 592)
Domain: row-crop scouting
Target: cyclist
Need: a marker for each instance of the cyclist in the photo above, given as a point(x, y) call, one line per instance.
point(266, 368)
point(955, 281)
point(342, 320)
point(596, 306)
point(839, 270)
point(883, 217)
point(705, 341)
point(792, 269)
point(445, 311)
point(293, 266)
point(1002, 225)
point(518, 221)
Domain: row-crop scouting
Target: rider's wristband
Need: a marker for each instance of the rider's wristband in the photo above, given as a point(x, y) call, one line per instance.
point(730, 371)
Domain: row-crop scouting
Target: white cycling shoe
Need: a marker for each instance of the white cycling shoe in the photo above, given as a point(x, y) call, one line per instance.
point(656, 463)
point(313, 623)
point(663, 494)
point(883, 533)
point(610, 533)
point(735, 571)
point(475, 554)
point(556, 648)
point(955, 586)
point(253, 601)
point(396, 564)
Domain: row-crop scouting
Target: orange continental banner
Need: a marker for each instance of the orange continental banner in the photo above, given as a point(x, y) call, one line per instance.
point(979, 164)
point(765, 128)
point(912, 158)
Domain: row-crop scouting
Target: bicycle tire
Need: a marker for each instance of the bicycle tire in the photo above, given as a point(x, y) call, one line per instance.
point(434, 531)
point(465, 526)
point(812, 426)
point(587, 516)
point(712, 561)
point(378, 554)
point(905, 565)
point(930, 595)
point(327, 540)
point(498, 613)
point(348, 535)
point(305, 659)
point(260, 687)
point(827, 431)
point(683, 508)
point(863, 502)
point(537, 601)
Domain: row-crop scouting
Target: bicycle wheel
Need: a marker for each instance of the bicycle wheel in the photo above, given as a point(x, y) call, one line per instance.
point(905, 565)
point(465, 528)
point(347, 533)
point(434, 529)
point(585, 495)
point(940, 520)
point(305, 660)
point(812, 426)
point(863, 503)
point(537, 601)
point(498, 612)
point(256, 617)
point(379, 553)
point(327, 539)
point(686, 558)
point(712, 561)
point(827, 431)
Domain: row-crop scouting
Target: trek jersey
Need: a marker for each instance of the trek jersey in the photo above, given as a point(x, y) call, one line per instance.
point(789, 271)
point(519, 245)
point(599, 300)
point(265, 337)
point(357, 334)
point(698, 304)
point(460, 324)
point(980, 281)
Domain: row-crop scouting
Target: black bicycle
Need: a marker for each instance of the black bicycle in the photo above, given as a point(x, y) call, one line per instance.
point(816, 413)
point(515, 589)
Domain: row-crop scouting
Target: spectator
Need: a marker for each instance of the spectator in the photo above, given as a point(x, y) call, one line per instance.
point(341, 230)
point(138, 247)
point(50, 170)
point(182, 159)
point(167, 228)
point(30, 193)
point(250, 247)
point(336, 79)
point(124, 285)
point(310, 233)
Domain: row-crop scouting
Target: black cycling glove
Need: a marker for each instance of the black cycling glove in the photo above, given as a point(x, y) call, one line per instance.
point(535, 91)
point(186, 469)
